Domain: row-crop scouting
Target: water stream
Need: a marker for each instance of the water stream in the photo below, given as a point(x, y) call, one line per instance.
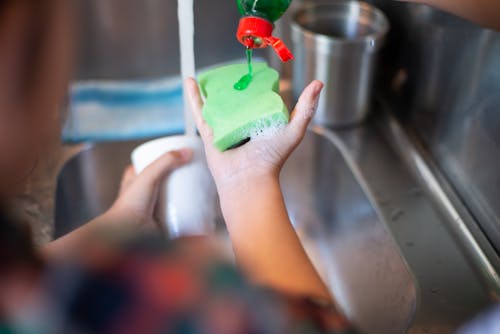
point(186, 37)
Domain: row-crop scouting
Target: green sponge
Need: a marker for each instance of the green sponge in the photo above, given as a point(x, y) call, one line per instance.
point(235, 115)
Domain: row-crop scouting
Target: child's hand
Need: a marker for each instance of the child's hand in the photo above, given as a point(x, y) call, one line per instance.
point(138, 193)
point(132, 211)
point(262, 157)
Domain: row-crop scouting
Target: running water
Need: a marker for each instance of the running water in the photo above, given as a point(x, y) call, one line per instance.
point(245, 80)
point(186, 37)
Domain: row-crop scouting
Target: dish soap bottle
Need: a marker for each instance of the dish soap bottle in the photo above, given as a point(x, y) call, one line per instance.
point(257, 24)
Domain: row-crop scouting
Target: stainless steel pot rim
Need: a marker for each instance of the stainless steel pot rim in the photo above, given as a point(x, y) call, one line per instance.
point(369, 38)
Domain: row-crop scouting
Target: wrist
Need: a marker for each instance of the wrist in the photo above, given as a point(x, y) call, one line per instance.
point(247, 185)
point(251, 199)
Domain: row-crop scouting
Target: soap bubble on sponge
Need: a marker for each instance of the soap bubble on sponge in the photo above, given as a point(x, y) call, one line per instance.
point(266, 128)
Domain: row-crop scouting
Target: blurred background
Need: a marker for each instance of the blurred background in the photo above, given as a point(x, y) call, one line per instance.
point(130, 39)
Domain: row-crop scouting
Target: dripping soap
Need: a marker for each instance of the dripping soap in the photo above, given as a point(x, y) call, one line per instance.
point(237, 115)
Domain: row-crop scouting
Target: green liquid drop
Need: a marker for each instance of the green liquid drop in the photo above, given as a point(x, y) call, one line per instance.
point(245, 80)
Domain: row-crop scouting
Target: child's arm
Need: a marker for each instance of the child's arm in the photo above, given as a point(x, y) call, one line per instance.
point(484, 12)
point(264, 241)
point(247, 178)
point(133, 210)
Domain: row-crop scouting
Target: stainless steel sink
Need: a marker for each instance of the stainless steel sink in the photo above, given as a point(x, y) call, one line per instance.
point(395, 243)
point(394, 246)
point(350, 246)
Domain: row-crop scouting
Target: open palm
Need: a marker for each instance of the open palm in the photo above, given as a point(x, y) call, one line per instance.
point(262, 156)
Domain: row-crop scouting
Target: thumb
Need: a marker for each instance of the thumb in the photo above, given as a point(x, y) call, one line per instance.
point(304, 111)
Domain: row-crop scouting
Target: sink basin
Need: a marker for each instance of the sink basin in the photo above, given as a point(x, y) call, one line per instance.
point(350, 246)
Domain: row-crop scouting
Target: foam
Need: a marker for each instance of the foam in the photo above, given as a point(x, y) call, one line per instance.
point(266, 128)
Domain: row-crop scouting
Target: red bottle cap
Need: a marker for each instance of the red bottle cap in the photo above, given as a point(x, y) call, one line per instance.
point(255, 33)
point(280, 48)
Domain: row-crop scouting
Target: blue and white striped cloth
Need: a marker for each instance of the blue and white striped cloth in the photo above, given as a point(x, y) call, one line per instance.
point(113, 110)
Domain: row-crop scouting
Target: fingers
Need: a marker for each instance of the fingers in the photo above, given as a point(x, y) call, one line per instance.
point(137, 202)
point(193, 94)
point(160, 168)
point(196, 105)
point(304, 111)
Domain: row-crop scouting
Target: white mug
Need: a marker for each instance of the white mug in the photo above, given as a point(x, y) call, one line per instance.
point(187, 200)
